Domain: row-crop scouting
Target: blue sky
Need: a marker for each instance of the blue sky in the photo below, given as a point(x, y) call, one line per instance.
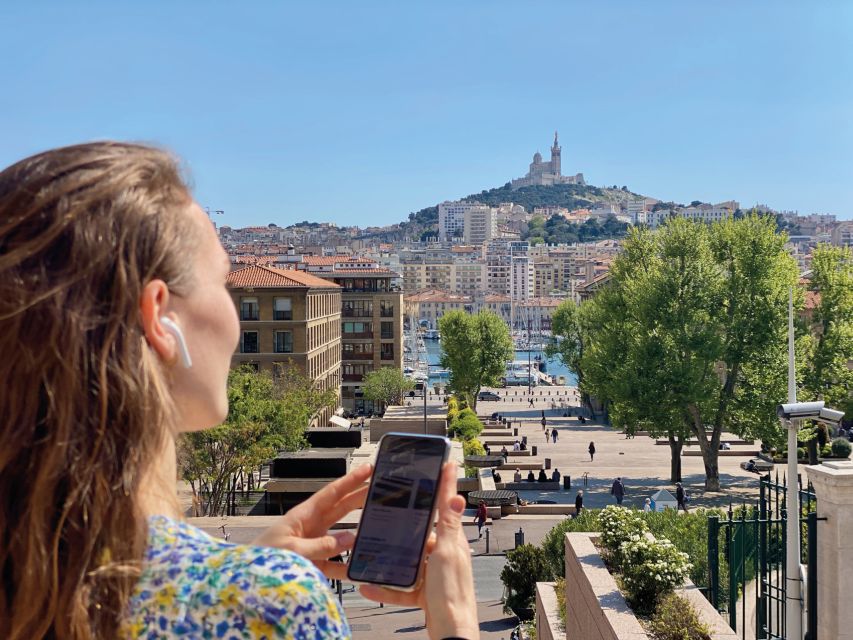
point(360, 112)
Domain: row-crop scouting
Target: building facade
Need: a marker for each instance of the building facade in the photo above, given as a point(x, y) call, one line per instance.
point(289, 318)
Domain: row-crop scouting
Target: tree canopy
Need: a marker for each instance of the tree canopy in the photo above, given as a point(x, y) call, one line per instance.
point(689, 336)
point(475, 348)
point(386, 385)
point(265, 416)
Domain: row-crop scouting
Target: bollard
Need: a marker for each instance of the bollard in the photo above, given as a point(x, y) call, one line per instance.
point(567, 482)
point(533, 450)
point(519, 537)
point(487, 540)
point(547, 463)
point(515, 431)
point(524, 439)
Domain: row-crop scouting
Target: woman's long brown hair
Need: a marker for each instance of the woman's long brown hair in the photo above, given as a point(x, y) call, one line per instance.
point(84, 404)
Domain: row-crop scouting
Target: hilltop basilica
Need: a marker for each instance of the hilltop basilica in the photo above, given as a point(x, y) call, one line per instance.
point(546, 173)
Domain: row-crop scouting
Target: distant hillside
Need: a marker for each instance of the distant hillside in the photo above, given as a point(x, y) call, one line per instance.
point(570, 196)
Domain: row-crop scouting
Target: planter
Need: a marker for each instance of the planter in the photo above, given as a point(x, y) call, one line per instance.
point(595, 608)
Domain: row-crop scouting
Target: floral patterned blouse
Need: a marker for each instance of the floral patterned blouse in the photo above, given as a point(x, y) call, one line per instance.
point(195, 586)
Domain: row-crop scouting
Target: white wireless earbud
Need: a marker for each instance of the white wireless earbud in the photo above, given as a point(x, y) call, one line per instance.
point(175, 330)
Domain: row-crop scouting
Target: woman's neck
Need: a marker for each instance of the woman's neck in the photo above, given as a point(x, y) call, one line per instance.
point(158, 492)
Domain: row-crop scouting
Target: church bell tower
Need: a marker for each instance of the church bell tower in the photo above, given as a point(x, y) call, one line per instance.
point(555, 157)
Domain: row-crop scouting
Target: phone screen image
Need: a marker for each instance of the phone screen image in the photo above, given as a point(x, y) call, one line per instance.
point(397, 515)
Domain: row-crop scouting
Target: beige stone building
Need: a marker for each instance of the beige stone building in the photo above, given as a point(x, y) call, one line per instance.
point(289, 317)
point(371, 324)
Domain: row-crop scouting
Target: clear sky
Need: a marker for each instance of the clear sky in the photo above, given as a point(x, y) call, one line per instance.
point(361, 112)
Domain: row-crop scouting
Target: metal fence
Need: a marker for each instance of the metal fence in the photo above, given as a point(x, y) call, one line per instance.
point(746, 561)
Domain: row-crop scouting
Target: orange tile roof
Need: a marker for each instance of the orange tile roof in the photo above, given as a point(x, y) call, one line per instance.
point(317, 261)
point(356, 271)
point(266, 277)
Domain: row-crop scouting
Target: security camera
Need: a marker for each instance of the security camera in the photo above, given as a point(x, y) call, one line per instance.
point(831, 416)
point(810, 411)
point(800, 410)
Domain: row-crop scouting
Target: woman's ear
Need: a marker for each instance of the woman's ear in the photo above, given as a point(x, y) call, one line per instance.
point(152, 305)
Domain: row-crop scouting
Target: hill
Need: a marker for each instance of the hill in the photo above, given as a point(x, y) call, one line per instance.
point(569, 196)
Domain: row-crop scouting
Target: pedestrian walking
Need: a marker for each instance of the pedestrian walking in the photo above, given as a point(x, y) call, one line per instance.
point(547, 435)
point(554, 435)
point(618, 490)
point(579, 503)
point(530, 401)
point(544, 422)
point(480, 518)
point(680, 497)
point(504, 454)
point(591, 451)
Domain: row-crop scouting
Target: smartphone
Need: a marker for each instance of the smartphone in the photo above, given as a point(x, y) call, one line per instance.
point(399, 511)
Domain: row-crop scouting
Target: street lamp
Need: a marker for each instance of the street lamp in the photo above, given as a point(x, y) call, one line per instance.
point(791, 414)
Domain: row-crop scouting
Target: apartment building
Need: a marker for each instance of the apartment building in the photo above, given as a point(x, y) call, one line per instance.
point(371, 324)
point(289, 317)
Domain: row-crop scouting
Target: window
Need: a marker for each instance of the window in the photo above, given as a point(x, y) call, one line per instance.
point(387, 352)
point(249, 309)
point(386, 309)
point(361, 328)
point(387, 329)
point(250, 342)
point(282, 309)
point(283, 342)
point(357, 308)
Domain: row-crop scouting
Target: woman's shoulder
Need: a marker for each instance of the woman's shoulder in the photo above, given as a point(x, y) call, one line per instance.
point(193, 583)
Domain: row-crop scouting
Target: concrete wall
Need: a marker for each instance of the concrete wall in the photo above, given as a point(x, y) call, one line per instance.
point(380, 426)
point(547, 613)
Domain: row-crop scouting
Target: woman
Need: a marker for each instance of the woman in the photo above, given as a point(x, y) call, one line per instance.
point(591, 450)
point(480, 517)
point(117, 330)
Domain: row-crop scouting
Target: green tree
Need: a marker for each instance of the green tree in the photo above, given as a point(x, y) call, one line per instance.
point(827, 348)
point(691, 332)
point(570, 332)
point(386, 385)
point(264, 417)
point(475, 348)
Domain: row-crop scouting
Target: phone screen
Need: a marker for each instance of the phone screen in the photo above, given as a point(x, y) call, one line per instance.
point(397, 515)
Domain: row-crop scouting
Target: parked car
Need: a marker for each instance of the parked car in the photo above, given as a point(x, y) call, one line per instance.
point(484, 396)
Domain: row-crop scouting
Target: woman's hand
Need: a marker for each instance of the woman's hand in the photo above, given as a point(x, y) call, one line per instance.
point(447, 592)
point(305, 528)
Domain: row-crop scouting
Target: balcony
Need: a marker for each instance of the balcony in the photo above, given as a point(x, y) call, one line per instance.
point(356, 313)
point(358, 335)
point(357, 356)
point(248, 316)
point(352, 377)
point(387, 356)
point(386, 313)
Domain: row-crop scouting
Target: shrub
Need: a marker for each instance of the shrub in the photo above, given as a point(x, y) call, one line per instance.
point(676, 619)
point(841, 448)
point(466, 426)
point(452, 409)
point(472, 447)
point(689, 533)
point(651, 569)
point(554, 542)
point(525, 566)
point(801, 453)
point(826, 450)
point(619, 525)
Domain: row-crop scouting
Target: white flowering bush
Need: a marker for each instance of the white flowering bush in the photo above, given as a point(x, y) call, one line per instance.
point(619, 525)
point(651, 569)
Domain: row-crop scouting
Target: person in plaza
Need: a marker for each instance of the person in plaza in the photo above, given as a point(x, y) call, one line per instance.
point(496, 475)
point(591, 450)
point(516, 446)
point(517, 476)
point(505, 454)
point(487, 449)
point(480, 517)
point(554, 435)
point(647, 506)
point(542, 477)
point(117, 332)
point(544, 422)
point(523, 445)
point(680, 497)
point(530, 476)
point(547, 435)
point(578, 503)
point(617, 490)
point(555, 475)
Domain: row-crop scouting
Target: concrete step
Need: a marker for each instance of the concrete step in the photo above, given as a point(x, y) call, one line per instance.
point(695, 442)
point(746, 453)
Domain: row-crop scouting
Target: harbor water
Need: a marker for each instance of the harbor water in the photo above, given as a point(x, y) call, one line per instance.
point(553, 367)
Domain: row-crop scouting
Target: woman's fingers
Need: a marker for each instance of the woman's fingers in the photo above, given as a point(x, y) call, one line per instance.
point(319, 548)
point(391, 596)
point(329, 497)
